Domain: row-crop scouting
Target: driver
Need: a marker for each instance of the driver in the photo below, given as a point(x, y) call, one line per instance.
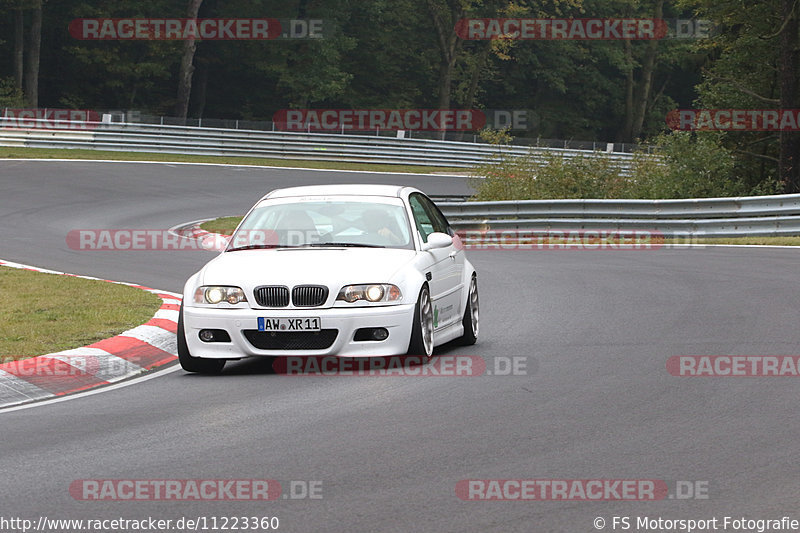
point(379, 223)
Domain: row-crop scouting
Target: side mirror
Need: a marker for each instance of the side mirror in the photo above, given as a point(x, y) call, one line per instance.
point(437, 240)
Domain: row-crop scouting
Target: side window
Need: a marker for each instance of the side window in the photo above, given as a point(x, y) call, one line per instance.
point(439, 221)
point(422, 220)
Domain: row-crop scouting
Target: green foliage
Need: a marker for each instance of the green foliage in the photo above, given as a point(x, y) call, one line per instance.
point(679, 165)
point(546, 176)
point(10, 96)
point(387, 54)
point(382, 54)
point(694, 166)
point(743, 72)
point(496, 136)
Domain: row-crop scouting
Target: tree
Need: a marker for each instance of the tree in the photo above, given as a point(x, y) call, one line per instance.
point(445, 14)
point(313, 73)
point(789, 158)
point(19, 46)
point(26, 73)
point(110, 74)
point(637, 101)
point(754, 65)
point(187, 67)
point(33, 57)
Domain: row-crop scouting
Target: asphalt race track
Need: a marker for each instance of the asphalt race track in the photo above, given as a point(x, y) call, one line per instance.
point(595, 328)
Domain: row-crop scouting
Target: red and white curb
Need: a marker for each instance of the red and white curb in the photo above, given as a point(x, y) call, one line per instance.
point(143, 348)
point(213, 242)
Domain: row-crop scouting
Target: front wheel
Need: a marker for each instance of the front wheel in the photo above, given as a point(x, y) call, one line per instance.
point(471, 315)
point(421, 343)
point(194, 364)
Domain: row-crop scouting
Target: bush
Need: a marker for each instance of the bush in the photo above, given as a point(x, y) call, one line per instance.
point(496, 136)
point(549, 176)
point(683, 165)
point(9, 95)
point(694, 166)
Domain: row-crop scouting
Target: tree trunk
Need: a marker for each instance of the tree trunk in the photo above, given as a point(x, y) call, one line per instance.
point(187, 68)
point(34, 50)
point(646, 83)
point(625, 134)
point(202, 90)
point(445, 83)
point(789, 158)
point(449, 46)
point(480, 62)
point(19, 47)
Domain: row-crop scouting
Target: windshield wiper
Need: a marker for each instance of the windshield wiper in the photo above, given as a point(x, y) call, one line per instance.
point(346, 244)
point(258, 247)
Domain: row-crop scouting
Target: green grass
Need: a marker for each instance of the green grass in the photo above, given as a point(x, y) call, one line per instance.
point(44, 313)
point(54, 153)
point(224, 225)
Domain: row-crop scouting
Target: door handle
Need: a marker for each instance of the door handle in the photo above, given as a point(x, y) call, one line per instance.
point(453, 255)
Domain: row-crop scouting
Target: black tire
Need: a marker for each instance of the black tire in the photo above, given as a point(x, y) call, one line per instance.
point(421, 343)
point(471, 320)
point(195, 364)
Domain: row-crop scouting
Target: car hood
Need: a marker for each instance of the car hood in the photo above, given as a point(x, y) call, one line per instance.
point(333, 267)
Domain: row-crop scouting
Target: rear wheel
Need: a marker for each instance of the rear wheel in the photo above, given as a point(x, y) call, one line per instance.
point(194, 364)
point(421, 343)
point(471, 319)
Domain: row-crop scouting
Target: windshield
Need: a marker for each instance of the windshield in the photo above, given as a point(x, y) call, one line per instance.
point(324, 223)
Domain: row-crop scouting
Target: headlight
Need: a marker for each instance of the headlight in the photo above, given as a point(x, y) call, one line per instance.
point(375, 292)
point(215, 294)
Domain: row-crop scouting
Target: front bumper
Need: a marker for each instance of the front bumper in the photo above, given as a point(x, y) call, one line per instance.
point(397, 319)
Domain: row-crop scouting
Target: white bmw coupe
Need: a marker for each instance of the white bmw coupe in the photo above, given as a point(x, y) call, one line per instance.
point(343, 270)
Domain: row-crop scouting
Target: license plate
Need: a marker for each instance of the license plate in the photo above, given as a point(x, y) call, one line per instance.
point(288, 324)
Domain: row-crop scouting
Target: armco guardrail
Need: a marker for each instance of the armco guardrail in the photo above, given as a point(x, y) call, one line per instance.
point(712, 217)
point(130, 137)
point(719, 217)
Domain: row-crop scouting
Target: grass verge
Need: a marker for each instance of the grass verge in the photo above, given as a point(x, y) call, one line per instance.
point(54, 153)
point(45, 313)
point(224, 225)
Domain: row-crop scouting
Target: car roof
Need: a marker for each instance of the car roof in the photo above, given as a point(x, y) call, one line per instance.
point(353, 189)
